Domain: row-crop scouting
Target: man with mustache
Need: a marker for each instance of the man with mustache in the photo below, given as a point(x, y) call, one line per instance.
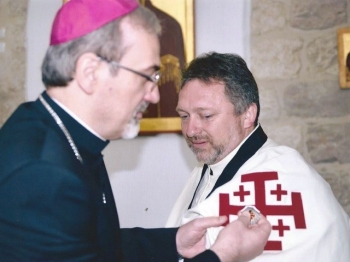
point(100, 72)
point(241, 168)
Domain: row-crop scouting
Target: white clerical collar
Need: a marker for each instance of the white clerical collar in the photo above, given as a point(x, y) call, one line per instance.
point(219, 167)
point(77, 118)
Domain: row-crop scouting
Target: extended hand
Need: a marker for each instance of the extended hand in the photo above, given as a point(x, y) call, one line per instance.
point(190, 238)
point(239, 241)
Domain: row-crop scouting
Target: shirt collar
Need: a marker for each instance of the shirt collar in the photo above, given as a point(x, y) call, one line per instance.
point(77, 118)
point(83, 137)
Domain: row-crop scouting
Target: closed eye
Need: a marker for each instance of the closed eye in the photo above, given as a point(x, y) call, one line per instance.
point(206, 117)
point(183, 117)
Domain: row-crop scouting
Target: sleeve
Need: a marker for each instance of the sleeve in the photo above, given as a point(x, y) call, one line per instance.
point(206, 256)
point(156, 245)
point(48, 215)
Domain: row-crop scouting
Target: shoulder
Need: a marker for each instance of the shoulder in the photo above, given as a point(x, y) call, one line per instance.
point(289, 165)
point(30, 136)
point(271, 150)
point(282, 159)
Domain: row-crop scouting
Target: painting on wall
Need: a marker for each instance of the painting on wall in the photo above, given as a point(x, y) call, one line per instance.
point(177, 49)
point(344, 57)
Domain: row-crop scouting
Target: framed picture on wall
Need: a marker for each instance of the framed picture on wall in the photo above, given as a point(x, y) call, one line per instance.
point(177, 49)
point(344, 57)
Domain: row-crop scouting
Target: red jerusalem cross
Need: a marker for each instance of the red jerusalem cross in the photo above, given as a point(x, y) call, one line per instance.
point(241, 193)
point(295, 209)
point(281, 228)
point(279, 192)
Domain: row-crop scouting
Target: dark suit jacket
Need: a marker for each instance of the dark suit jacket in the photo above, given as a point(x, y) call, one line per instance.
point(51, 204)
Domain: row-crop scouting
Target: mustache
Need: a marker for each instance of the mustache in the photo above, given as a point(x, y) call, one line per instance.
point(197, 138)
point(141, 107)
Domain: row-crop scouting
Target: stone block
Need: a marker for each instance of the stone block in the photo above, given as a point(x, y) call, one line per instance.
point(316, 99)
point(276, 58)
point(328, 143)
point(268, 15)
point(322, 54)
point(269, 103)
point(317, 14)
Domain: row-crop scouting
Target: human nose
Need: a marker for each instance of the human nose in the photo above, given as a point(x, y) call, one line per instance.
point(152, 95)
point(192, 126)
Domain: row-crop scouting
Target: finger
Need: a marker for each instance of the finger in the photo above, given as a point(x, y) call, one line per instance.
point(264, 224)
point(244, 217)
point(262, 220)
point(206, 222)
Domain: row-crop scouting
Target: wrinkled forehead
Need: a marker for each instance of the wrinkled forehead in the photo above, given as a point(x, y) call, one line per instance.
point(198, 93)
point(141, 47)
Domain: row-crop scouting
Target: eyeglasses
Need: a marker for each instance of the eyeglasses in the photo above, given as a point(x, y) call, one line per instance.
point(152, 78)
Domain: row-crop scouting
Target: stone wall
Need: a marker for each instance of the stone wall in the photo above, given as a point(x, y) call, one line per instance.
point(13, 15)
point(294, 59)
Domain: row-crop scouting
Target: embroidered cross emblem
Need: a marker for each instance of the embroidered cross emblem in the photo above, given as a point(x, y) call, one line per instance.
point(295, 209)
point(279, 192)
point(281, 228)
point(241, 193)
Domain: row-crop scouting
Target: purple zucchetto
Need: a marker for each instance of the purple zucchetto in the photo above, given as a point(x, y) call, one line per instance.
point(77, 18)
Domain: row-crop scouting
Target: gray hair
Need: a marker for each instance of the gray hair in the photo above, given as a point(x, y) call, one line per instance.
point(58, 67)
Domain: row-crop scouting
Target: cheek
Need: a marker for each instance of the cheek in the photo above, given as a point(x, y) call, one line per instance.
point(132, 97)
point(219, 133)
point(183, 127)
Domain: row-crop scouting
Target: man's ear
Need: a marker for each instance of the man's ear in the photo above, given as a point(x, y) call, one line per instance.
point(86, 72)
point(250, 115)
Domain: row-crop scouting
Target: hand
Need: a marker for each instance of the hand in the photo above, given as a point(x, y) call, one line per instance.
point(190, 238)
point(239, 241)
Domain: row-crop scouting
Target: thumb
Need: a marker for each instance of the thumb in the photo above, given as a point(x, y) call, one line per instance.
point(244, 217)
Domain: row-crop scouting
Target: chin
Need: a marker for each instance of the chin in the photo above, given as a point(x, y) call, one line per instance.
point(131, 130)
